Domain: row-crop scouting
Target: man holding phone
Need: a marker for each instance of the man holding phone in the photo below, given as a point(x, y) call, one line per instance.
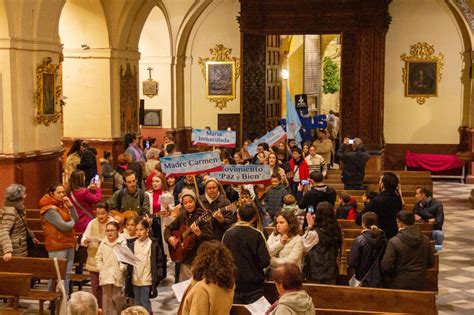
point(319, 192)
point(354, 157)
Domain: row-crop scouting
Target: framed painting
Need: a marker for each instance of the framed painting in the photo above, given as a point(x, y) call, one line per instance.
point(48, 93)
point(220, 79)
point(152, 118)
point(422, 72)
point(421, 78)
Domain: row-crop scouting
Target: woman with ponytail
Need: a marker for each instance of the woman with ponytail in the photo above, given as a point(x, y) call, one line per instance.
point(367, 253)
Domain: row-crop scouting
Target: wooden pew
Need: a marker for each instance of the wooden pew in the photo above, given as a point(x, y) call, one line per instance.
point(14, 284)
point(40, 268)
point(331, 297)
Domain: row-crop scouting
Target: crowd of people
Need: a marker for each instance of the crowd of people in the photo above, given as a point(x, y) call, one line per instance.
point(229, 239)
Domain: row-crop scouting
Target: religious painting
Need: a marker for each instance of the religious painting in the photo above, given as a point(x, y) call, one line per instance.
point(220, 73)
point(48, 93)
point(422, 79)
point(422, 72)
point(152, 118)
point(220, 76)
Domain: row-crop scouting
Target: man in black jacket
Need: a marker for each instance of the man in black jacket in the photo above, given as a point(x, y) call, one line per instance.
point(319, 192)
point(408, 256)
point(251, 256)
point(387, 204)
point(430, 210)
point(354, 158)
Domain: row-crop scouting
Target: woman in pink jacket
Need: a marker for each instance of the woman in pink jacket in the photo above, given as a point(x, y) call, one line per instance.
point(83, 199)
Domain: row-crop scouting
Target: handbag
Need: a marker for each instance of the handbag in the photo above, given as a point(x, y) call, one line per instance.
point(76, 203)
point(353, 282)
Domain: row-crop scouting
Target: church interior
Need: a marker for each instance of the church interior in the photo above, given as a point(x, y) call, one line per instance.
point(98, 69)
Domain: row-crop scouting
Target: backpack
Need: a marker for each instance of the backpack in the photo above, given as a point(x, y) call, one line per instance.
point(141, 198)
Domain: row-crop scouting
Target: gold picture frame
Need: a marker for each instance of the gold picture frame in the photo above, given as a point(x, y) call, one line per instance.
point(422, 72)
point(220, 73)
point(152, 118)
point(48, 93)
point(220, 79)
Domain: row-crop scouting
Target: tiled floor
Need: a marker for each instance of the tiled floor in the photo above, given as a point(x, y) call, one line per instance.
point(456, 277)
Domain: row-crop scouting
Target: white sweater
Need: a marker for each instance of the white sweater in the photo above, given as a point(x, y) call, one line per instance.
point(111, 271)
point(291, 252)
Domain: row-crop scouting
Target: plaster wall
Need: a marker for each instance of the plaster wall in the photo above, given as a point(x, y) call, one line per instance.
point(437, 120)
point(217, 25)
point(155, 52)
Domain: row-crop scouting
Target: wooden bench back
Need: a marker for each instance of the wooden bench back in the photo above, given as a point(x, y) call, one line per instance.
point(42, 268)
point(364, 299)
point(14, 283)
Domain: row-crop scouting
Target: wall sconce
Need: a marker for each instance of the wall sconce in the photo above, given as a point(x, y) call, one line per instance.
point(285, 74)
point(85, 46)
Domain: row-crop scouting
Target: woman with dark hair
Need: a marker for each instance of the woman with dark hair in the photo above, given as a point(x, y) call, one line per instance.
point(13, 229)
point(88, 162)
point(212, 288)
point(285, 244)
point(83, 199)
point(132, 148)
point(293, 299)
point(73, 157)
point(367, 253)
point(322, 242)
point(58, 217)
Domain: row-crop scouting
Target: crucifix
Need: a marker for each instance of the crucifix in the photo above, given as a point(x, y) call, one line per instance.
point(149, 72)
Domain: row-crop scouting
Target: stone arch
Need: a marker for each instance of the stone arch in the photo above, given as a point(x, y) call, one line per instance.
point(86, 20)
point(181, 56)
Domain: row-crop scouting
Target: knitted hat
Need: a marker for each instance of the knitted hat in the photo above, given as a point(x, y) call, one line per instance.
point(187, 192)
point(211, 179)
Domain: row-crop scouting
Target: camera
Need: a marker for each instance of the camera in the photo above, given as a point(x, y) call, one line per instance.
point(310, 209)
point(351, 141)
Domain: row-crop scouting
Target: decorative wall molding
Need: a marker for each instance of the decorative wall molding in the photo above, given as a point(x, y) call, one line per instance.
point(466, 12)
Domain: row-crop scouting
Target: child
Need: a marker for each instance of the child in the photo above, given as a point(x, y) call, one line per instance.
point(347, 208)
point(143, 279)
point(130, 230)
point(93, 235)
point(111, 271)
point(274, 196)
point(366, 198)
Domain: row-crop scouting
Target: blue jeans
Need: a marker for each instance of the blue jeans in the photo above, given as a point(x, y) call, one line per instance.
point(438, 237)
point(67, 254)
point(142, 296)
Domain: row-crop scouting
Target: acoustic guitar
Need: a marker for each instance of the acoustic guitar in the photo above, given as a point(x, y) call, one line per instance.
point(187, 239)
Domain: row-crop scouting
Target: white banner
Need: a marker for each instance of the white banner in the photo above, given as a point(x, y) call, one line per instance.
point(188, 164)
point(218, 138)
point(243, 174)
point(273, 137)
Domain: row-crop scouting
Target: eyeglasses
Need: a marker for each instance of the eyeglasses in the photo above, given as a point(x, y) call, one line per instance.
point(110, 231)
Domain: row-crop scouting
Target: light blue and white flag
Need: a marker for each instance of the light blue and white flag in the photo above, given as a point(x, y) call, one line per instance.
point(293, 122)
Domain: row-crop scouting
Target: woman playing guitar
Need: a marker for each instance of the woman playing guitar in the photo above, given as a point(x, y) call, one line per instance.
point(184, 235)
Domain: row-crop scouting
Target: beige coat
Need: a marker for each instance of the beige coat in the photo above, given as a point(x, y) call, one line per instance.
point(12, 232)
point(291, 252)
point(206, 299)
point(324, 148)
point(111, 271)
point(71, 163)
